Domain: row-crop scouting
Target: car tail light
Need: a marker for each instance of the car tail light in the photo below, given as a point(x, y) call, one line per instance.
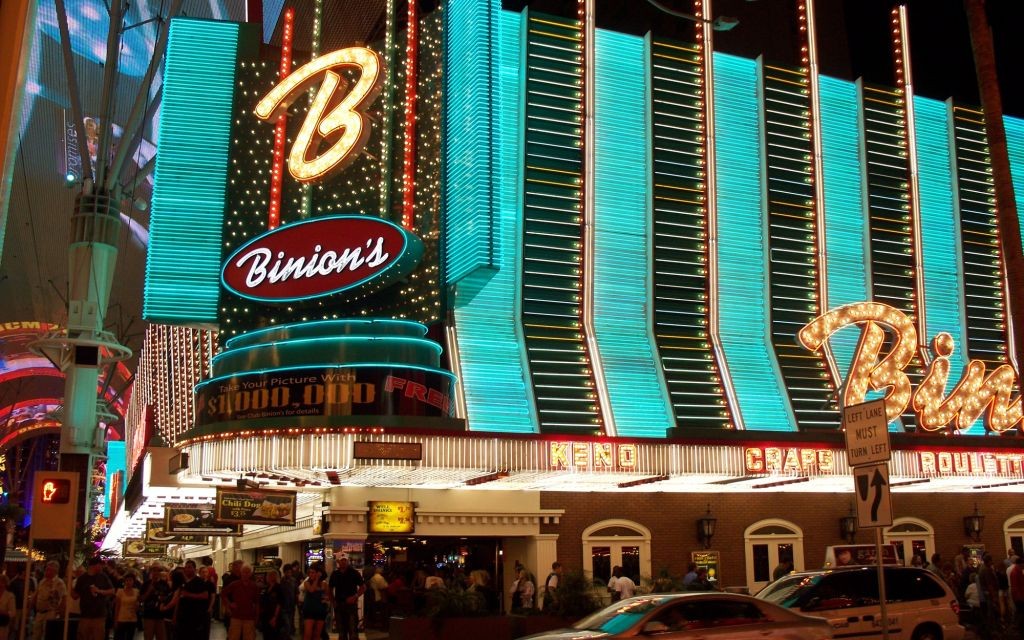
point(955, 606)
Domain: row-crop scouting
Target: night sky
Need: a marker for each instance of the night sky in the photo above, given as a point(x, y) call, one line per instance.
point(853, 38)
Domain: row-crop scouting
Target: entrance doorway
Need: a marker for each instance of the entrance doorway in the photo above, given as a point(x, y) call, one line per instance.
point(911, 537)
point(617, 543)
point(768, 543)
point(449, 558)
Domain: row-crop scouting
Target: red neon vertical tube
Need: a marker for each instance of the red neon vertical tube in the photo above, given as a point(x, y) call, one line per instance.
point(277, 166)
point(409, 148)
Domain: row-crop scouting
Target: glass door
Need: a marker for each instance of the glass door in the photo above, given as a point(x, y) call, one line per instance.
point(772, 545)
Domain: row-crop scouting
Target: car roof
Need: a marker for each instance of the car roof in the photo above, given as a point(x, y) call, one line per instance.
point(862, 567)
point(692, 595)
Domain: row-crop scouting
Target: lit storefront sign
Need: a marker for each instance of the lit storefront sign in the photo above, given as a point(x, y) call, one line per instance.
point(791, 460)
point(186, 518)
point(325, 391)
point(392, 517)
point(976, 393)
point(592, 455)
point(320, 257)
point(255, 506)
point(947, 463)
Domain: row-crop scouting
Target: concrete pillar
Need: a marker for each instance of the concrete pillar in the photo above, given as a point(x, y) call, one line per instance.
point(546, 552)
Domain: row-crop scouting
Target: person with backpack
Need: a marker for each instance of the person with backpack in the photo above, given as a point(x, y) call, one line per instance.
point(551, 583)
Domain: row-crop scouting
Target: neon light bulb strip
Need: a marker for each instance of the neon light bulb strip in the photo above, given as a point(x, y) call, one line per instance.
point(277, 164)
point(587, 9)
point(904, 81)
point(810, 62)
point(318, 11)
point(387, 108)
point(702, 7)
point(409, 141)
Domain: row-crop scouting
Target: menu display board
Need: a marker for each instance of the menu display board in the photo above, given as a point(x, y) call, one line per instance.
point(190, 518)
point(255, 506)
point(156, 533)
point(708, 560)
point(392, 517)
point(138, 548)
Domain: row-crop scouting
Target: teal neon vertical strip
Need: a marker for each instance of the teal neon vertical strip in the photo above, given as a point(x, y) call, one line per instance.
point(940, 233)
point(468, 162)
point(1015, 146)
point(742, 256)
point(622, 238)
point(491, 345)
point(190, 180)
point(846, 221)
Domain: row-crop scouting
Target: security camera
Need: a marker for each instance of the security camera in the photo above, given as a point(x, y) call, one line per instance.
point(724, 23)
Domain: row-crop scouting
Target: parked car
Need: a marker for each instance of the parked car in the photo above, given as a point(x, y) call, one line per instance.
point(919, 605)
point(710, 616)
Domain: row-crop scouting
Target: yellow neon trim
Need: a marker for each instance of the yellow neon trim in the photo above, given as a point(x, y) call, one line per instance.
point(347, 117)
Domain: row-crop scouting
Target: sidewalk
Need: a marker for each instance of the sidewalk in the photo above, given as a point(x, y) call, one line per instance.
point(219, 632)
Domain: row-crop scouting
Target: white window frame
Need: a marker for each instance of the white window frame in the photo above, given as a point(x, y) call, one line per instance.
point(795, 538)
point(1009, 530)
point(641, 539)
point(904, 538)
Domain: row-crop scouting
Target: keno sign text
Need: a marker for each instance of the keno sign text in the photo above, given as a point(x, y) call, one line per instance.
point(603, 456)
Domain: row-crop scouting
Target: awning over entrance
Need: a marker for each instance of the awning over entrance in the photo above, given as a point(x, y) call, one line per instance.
point(485, 461)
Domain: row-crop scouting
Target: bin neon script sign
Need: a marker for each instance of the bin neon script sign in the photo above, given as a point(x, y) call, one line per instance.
point(873, 370)
point(347, 120)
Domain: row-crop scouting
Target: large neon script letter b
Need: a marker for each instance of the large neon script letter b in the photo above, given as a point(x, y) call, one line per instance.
point(346, 119)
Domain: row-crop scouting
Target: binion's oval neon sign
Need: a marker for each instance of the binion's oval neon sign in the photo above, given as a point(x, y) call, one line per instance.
point(321, 257)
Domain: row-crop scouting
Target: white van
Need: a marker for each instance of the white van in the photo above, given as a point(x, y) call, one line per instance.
point(919, 605)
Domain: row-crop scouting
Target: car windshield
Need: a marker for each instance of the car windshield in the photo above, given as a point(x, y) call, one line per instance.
point(788, 590)
point(621, 616)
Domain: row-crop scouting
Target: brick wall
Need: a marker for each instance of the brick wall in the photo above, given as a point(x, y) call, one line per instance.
point(671, 517)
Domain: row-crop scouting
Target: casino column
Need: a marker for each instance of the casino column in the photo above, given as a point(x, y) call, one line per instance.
point(85, 346)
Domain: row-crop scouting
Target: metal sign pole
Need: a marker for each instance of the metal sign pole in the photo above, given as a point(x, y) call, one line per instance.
point(23, 619)
point(881, 583)
point(67, 586)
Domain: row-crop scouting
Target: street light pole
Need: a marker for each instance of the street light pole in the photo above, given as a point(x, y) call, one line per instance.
point(1006, 207)
point(721, 23)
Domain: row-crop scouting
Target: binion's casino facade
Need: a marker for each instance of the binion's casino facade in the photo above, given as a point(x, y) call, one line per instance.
point(570, 292)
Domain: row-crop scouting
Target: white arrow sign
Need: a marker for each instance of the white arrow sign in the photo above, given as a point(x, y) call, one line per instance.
point(874, 504)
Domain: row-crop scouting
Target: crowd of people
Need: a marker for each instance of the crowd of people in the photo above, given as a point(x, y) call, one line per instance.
point(112, 599)
point(991, 592)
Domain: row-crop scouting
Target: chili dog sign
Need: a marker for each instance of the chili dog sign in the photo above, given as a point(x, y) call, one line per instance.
point(321, 257)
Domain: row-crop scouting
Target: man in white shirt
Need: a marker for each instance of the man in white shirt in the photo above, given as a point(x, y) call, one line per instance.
point(625, 586)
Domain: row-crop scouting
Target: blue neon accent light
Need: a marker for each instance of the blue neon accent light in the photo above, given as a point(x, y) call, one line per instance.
point(469, 217)
point(622, 239)
point(940, 234)
point(1015, 148)
point(494, 377)
point(116, 463)
point(184, 258)
point(846, 219)
point(742, 260)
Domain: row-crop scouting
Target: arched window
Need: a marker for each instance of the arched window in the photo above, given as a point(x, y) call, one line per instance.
point(617, 543)
point(768, 543)
point(911, 536)
point(1013, 532)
